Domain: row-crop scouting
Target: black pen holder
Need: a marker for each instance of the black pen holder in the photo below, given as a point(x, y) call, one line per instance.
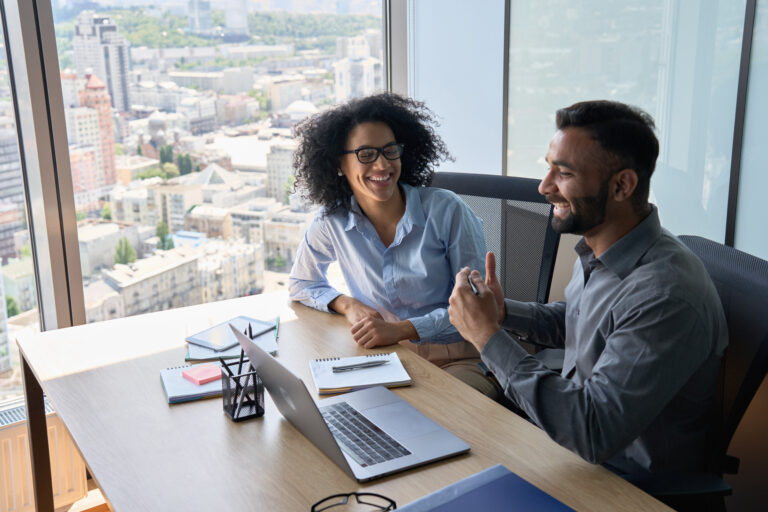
point(243, 393)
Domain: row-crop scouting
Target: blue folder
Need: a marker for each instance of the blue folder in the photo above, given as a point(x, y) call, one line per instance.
point(495, 488)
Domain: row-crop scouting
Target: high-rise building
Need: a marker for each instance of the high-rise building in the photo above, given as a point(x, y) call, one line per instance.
point(11, 193)
point(11, 186)
point(199, 14)
point(237, 17)
point(94, 96)
point(280, 170)
point(357, 74)
point(102, 51)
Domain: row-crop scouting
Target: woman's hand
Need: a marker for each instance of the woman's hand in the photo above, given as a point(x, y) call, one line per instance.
point(353, 309)
point(373, 332)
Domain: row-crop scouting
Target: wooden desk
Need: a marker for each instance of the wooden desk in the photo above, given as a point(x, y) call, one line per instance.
point(103, 379)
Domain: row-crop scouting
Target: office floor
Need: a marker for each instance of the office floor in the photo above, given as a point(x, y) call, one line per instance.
point(93, 502)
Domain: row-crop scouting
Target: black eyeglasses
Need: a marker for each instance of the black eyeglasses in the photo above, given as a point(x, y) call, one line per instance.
point(368, 155)
point(376, 501)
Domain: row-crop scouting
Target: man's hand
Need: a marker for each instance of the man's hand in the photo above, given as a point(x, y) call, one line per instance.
point(493, 283)
point(476, 317)
point(375, 332)
point(353, 309)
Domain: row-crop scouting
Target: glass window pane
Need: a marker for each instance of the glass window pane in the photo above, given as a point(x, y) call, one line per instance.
point(677, 60)
point(179, 126)
point(19, 290)
point(750, 219)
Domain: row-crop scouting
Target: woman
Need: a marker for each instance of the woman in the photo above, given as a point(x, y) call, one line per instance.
point(399, 243)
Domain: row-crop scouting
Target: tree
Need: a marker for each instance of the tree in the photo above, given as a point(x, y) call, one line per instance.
point(170, 170)
point(151, 173)
point(279, 261)
point(11, 306)
point(124, 252)
point(184, 162)
point(289, 188)
point(80, 216)
point(161, 232)
point(166, 154)
point(119, 149)
point(25, 251)
point(138, 149)
point(106, 212)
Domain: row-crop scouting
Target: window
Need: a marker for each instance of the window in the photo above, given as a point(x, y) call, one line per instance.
point(192, 109)
point(18, 293)
point(750, 226)
point(676, 60)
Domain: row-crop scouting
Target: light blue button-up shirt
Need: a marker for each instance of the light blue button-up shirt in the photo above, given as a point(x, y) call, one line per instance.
point(409, 280)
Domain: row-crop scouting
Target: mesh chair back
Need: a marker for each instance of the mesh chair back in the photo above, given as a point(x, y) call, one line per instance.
point(517, 225)
point(742, 283)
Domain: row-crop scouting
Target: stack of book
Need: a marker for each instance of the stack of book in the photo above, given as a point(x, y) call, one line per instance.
point(205, 348)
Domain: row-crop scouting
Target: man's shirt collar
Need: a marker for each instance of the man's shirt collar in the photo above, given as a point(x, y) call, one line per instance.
point(623, 255)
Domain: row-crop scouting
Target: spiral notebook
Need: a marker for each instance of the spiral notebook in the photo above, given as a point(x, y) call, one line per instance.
point(391, 374)
point(178, 389)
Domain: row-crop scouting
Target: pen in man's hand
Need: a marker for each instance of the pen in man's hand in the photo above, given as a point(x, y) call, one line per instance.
point(358, 366)
point(472, 285)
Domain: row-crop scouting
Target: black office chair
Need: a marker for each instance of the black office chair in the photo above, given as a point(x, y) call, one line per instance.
point(517, 224)
point(742, 283)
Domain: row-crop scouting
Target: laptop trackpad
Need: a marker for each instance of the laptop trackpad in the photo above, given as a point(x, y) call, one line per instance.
point(401, 421)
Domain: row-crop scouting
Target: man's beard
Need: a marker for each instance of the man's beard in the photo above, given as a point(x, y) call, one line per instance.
point(586, 213)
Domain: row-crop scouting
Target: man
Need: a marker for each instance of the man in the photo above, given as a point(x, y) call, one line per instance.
point(642, 325)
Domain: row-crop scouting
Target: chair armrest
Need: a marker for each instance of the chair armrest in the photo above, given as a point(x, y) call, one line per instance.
point(674, 484)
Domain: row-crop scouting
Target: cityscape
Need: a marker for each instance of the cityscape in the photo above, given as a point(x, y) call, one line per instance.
point(179, 120)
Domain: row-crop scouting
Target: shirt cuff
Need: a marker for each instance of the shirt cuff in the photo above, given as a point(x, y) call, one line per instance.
point(326, 298)
point(502, 354)
point(425, 327)
point(518, 318)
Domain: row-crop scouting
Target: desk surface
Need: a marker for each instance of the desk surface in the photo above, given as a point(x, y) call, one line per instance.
point(103, 379)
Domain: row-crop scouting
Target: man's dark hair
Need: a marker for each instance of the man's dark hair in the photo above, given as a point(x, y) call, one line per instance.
point(322, 139)
point(625, 132)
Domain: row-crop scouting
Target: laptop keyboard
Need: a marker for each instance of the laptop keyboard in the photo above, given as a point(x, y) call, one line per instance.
point(359, 437)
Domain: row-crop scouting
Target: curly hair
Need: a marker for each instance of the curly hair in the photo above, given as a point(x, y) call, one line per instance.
point(322, 138)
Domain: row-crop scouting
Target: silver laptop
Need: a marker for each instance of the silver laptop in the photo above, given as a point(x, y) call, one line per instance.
point(368, 433)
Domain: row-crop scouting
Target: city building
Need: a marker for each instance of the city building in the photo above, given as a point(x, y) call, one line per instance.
point(227, 81)
point(280, 170)
point(84, 167)
point(230, 269)
point(11, 185)
point(165, 280)
point(282, 234)
point(135, 203)
point(247, 220)
point(236, 17)
point(102, 302)
point(101, 50)
point(6, 363)
point(173, 201)
point(284, 90)
point(200, 113)
point(236, 109)
point(293, 113)
point(224, 188)
point(98, 240)
point(19, 282)
point(95, 96)
point(164, 95)
point(356, 77)
point(199, 15)
point(129, 166)
point(11, 218)
point(211, 220)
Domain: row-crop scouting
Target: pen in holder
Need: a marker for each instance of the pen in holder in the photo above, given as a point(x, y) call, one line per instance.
point(242, 390)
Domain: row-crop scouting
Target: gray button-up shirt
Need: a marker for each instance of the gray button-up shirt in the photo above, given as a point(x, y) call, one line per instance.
point(643, 331)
